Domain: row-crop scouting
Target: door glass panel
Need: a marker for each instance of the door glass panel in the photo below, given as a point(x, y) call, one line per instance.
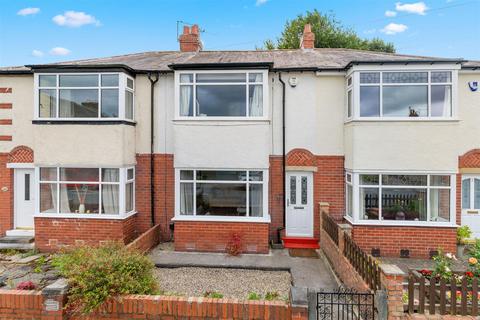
point(304, 190)
point(27, 187)
point(466, 194)
point(293, 190)
point(476, 194)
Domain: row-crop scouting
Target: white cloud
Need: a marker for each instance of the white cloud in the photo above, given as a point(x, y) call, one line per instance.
point(75, 19)
point(390, 13)
point(416, 8)
point(59, 51)
point(28, 11)
point(37, 53)
point(260, 2)
point(394, 28)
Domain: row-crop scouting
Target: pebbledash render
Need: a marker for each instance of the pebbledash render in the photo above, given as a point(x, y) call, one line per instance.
point(214, 145)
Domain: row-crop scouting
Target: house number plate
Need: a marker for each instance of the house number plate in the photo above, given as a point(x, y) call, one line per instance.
point(52, 305)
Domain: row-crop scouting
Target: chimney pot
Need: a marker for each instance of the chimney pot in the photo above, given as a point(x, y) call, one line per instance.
point(195, 29)
point(186, 29)
point(308, 38)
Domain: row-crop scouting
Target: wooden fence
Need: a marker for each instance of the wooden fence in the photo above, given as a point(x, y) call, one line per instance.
point(330, 226)
point(365, 265)
point(442, 297)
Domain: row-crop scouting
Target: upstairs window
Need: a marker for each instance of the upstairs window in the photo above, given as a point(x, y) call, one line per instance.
point(104, 96)
point(222, 94)
point(404, 94)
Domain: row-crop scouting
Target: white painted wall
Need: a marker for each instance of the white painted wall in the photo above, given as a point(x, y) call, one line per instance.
point(414, 145)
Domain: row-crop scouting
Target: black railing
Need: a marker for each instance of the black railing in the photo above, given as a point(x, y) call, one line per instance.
point(345, 304)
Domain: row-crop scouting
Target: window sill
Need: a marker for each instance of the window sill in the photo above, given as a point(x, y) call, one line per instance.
point(400, 223)
point(84, 122)
point(413, 119)
point(222, 219)
point(221, 120)
point(84, 216)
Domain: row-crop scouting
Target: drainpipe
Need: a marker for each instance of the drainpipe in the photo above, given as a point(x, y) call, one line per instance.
point(153, 79)
point(283, 160)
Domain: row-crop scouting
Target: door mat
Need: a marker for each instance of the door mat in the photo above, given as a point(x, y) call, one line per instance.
point(303, 253)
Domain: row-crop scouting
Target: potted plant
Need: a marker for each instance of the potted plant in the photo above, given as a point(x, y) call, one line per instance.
point(463, 234)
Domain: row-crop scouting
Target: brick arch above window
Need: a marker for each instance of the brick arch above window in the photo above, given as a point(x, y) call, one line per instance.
point(301, 158)
point(20, 154)
point(470, 159)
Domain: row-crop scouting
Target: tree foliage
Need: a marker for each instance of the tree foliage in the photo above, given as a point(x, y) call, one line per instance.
point(329, 33)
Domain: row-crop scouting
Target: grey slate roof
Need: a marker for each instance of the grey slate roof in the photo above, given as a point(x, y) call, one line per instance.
point(321, 58)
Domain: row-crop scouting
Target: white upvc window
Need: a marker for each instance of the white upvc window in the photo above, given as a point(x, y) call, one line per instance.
point(221, 94)
point(390, 198)
point(85, 192)
point(232, 194)
point(471, 193)
point(84, 96)
point(401, 95)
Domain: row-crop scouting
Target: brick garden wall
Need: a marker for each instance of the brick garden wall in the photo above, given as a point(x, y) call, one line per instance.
point(214, 236)
point(419, 240)
point(54, 233)
point(147, 240)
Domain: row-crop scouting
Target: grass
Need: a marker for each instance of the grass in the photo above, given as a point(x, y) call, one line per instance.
point(213, 294)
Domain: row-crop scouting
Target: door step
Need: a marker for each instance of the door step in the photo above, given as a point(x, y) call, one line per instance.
point(17, 242)
point(300, 243)
point(20, 233)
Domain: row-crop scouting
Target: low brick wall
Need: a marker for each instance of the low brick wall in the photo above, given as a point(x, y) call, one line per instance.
point(419, 240)
point(49, 305)
point(169, 307)
point(146, 240)
point(214, 236)
point(342, 267)
point(52, 234)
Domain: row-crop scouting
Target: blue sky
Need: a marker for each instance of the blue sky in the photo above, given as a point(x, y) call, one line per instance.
point(41, 31)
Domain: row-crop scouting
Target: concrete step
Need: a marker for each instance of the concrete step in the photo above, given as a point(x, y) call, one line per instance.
point(300, 243)
point(20, 233)
point(17, 246)
point(17, 239)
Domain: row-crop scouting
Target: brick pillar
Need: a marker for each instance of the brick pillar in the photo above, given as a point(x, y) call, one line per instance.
point(342, 229)
point(391, 280)
point(54, 300)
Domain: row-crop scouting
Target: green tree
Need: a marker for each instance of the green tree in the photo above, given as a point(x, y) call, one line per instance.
point(329, 33)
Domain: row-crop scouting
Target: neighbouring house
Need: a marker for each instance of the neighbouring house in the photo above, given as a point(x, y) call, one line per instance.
point(214, 143)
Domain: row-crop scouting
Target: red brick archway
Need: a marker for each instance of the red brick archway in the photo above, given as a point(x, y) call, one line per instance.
point(20, 154)
point(301, 157)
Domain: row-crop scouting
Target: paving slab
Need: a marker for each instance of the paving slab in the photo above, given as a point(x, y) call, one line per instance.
point(306, 272)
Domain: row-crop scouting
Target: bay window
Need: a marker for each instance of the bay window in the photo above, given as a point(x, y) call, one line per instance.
point(100, 96)
point(401, 94)
point(86, 191)
point(417, 198)
point(232, 94)
point(222, 193)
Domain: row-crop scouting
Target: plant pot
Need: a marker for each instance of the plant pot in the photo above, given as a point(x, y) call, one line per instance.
point(81, 208)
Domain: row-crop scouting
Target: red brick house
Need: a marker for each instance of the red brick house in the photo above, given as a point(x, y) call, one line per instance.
point(214, 143)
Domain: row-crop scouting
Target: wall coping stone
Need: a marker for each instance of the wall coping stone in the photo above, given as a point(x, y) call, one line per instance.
point(299, 296)
point(345, 226)
point(57, 288)
point(324, 204)
point(391, 270)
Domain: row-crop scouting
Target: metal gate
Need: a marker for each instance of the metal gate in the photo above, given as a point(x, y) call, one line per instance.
point(345, 304)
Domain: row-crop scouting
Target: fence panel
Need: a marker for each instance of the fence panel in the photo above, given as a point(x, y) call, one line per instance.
point(330, 226)
point(438, 296)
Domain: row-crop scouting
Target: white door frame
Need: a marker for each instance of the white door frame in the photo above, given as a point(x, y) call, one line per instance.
point(22, 166)
point(310, 200)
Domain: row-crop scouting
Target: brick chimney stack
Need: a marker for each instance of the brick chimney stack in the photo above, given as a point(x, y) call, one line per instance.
point(190, 39)
point(308, 38)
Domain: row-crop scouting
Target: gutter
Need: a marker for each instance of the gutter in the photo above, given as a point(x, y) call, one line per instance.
point(153, 79)
point(284, 165)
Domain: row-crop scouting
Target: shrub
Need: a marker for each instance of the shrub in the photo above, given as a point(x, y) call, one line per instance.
point(474, 250)
point(95, 274)
point(213, 294)
point(463, 233)
point(26, 285)
point(443, 265)
point(269, 296)
point(254, 296)
point(234, 245)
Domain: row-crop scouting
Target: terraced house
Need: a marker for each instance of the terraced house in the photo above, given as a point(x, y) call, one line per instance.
point(210, 144)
